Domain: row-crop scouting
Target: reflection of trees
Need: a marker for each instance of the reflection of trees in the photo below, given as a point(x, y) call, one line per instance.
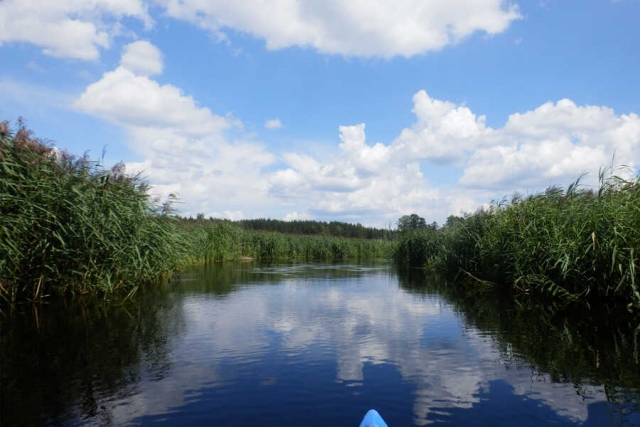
point(573, 344)
point(72, 360)
point(223, 278)
point(62, 361)
point(58, 361)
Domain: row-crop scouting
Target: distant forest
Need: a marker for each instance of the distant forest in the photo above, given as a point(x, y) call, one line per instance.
point(304, 227)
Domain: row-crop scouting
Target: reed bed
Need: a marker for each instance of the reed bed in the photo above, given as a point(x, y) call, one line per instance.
point(68, 225)
point(573, 244)
point(223, 242)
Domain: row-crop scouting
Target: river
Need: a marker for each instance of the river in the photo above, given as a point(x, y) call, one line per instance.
point(241, 344)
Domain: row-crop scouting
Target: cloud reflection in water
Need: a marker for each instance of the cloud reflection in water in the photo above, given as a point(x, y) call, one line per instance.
point(294, 333)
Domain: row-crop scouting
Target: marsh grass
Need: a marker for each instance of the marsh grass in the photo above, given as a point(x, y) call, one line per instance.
point(68, 225)
point(224, 242)
point(572, 244)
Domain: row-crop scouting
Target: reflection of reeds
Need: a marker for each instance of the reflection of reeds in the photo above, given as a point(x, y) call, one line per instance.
point(60, 359)
point(571, 244)
point(571, 342)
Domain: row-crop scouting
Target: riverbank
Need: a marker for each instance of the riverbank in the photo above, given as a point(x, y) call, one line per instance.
point(226, 242)
point(71, 226)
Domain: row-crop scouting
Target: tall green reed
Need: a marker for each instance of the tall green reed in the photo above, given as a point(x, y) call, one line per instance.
point(573, 244)
point(223, 241)
point(67, 224)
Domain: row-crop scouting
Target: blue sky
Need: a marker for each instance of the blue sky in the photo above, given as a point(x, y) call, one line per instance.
point(357, 111)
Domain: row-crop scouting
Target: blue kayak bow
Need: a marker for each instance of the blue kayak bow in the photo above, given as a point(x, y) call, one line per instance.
point(373, 419)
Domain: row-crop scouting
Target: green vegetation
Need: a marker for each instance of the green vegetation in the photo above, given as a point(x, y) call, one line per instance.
point(333, 228)
point(573, 244)
point(413, 222)
point(68, 225)
point(225, 241)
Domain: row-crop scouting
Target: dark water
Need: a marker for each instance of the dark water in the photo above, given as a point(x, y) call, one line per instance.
point(315, 345)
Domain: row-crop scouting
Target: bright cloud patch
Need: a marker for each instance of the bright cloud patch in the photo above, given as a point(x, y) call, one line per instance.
point(142, 58)
point(553, 144)
point(364, 181)
point(185, 146)
point(273, 124)
point(135, 100)
point(443, 132)
point(297, 216)
point(67, 28)
point(362, 28)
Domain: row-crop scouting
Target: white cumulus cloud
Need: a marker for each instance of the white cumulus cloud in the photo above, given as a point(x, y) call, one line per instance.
point(369, 28)
point(551, 145)
point(185, 147)
point(364, 181)
point(142, 58)
point(135, 100)
point(554, 144)
point(67, 28)
point(443, 132)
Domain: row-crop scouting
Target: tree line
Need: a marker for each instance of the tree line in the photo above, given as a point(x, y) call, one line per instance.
point(302, 227)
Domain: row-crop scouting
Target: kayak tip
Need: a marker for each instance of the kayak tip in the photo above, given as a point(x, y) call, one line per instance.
point(373, 419)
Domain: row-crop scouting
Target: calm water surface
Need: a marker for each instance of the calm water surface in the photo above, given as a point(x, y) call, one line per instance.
point(305, 345)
